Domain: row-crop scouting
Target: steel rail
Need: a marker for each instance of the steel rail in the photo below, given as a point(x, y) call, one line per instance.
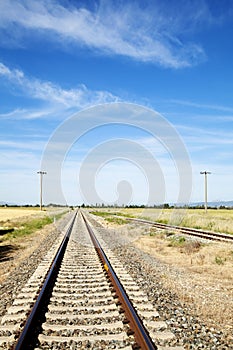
point(188, 230)
point(141, 334)
point(23, 340)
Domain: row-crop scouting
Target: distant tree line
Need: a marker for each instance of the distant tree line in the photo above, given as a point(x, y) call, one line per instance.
point(31, 205)
point(156, 206)
point(102, 205)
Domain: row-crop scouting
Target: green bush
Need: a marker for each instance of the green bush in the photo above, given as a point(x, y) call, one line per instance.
point(218, 260)
point(176, 241)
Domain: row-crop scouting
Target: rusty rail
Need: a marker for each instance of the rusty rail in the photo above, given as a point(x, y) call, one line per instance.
point(25, 337)
point(141, 334)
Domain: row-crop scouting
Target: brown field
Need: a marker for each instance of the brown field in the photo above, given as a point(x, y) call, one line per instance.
point(16, 213)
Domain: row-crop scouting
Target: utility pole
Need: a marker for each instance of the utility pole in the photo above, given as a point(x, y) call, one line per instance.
point(41, 180)
point(205, 173)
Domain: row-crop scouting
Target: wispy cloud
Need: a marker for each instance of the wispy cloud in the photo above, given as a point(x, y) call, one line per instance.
point(17, 145)
point(147, 34)
point(22, 113)
point(207, 137)
point(203, 106)
point(54, 94)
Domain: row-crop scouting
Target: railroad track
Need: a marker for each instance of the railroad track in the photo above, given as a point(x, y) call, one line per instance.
point(81, 297)
point(216, 236)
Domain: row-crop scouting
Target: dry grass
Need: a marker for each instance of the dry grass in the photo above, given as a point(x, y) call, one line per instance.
point(201, 275)
point(219, 220)
point(214, 258)
point(30, 227)
point(15, 213)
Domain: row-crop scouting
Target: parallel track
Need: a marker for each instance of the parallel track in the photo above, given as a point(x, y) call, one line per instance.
point(216, 236)
point(85, 302)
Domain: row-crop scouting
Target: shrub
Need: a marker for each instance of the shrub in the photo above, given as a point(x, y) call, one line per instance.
point(218, 260)
point(176, 241)
point(192, 247)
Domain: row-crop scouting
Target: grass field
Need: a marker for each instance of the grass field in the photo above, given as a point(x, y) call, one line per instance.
point(15, 213)
point(21, 231)
point(16, 223)
point(219, 220)
point(19, 222)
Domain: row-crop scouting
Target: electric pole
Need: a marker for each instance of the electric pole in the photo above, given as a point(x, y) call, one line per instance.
point(205, 173)
point(41, 181)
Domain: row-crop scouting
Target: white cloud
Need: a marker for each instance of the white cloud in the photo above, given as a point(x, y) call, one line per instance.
point(148, 34)
point(45, 90)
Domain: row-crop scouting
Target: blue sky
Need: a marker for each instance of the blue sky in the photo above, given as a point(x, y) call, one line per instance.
point(60, 57)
